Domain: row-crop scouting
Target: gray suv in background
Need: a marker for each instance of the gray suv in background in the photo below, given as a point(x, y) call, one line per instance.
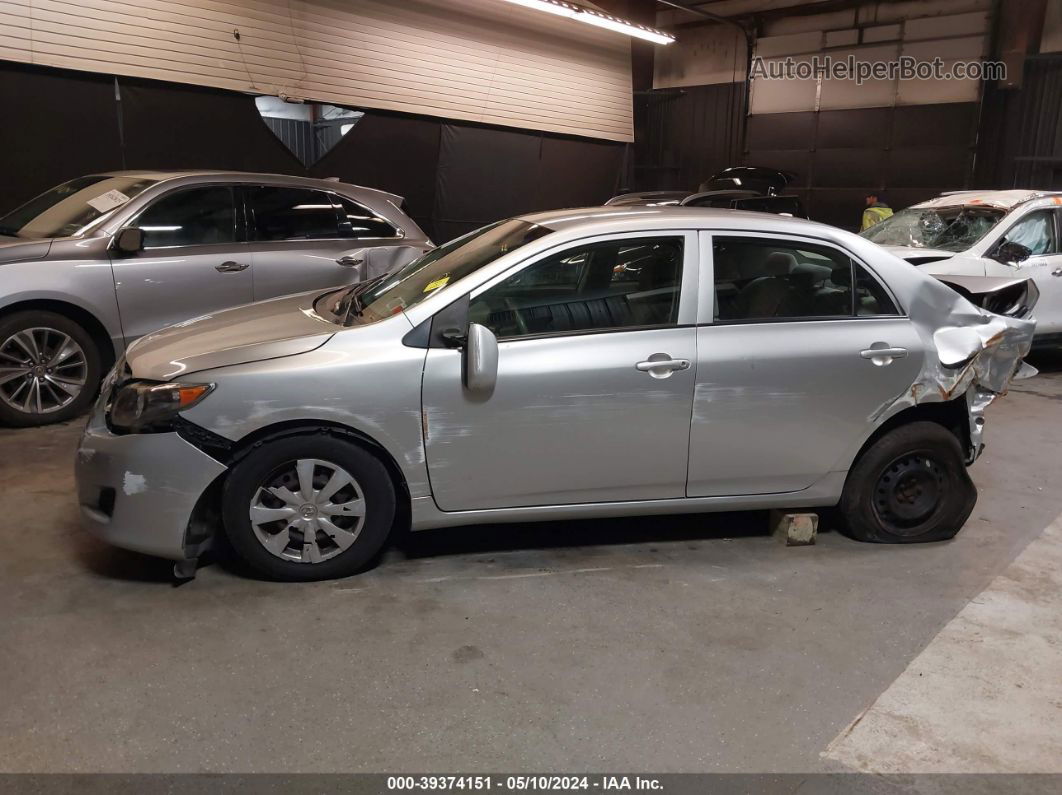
point(97, 262)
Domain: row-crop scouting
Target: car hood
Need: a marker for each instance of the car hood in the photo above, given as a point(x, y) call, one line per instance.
point(919, 256)
point(17, 249)
point(280, 327)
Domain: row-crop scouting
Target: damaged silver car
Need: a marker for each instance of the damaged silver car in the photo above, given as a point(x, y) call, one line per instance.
point(562, 365)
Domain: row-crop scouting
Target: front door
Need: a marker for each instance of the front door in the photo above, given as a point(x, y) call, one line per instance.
point(594, 387)
point(191, 263)
point(1038, 231)
point(795, 366)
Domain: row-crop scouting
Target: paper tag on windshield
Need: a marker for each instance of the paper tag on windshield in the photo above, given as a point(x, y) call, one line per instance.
point(108, 201)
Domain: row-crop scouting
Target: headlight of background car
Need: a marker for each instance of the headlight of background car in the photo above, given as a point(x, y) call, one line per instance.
point(145, 407)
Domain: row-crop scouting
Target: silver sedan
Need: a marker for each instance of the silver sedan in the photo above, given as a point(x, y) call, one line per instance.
point(95, 263)
point(580, 363)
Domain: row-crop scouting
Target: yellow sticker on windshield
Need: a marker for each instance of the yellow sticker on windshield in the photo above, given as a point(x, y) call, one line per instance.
point(435, 285)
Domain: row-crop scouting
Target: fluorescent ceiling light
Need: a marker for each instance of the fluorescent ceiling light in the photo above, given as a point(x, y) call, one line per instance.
point(596, 18)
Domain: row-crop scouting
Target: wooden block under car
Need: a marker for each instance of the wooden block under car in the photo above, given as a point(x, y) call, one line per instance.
point(794, 529)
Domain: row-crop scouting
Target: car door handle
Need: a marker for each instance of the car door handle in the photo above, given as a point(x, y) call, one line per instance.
point(229, 266)
point(350, 262)
point(1057, 272)
point(883, 356)
point(662, 367)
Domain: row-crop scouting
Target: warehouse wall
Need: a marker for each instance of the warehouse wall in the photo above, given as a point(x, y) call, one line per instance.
point(455, 176)
point(470, 60)
point(912, 138)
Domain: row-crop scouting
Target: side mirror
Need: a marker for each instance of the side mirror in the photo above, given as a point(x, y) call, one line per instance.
point(129, 241)
point(1011, 253)
point(481, 359)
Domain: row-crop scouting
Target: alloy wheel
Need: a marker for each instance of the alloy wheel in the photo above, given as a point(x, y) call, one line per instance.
point(308, 511)
point(42, 370)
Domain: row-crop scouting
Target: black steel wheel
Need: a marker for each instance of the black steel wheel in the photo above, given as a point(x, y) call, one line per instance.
point(909, 486)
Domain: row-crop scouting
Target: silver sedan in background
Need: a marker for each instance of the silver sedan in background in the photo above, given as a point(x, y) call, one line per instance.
point(580, 363)
point(97, 262)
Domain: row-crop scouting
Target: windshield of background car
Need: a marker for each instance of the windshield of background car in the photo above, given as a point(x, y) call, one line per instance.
point(445, 265)
point(945, 228)
point(69, 208)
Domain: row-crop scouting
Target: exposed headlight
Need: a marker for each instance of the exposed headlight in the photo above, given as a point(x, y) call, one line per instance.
point(146, 407)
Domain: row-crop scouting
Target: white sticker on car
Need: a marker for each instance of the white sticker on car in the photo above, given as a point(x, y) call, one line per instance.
point(108, 201)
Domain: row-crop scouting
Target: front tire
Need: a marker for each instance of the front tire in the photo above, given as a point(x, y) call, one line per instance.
point(910, 486)
point(308, 508)
point(49, 369)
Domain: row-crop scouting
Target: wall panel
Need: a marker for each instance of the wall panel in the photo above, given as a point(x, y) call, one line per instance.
point(475, 60)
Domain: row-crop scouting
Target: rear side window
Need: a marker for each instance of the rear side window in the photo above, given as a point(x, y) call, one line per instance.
point(760, 279)
point(194, 217)
point(357, 221)
point(279, 213)
point(618, 284)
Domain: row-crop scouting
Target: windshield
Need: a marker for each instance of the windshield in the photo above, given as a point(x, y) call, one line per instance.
point(447, 264)
point(945, 228)
point(69, 208)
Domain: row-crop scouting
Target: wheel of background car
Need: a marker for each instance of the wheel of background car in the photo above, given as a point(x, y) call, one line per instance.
point(909, 486)
point(308, 508)
point(49, 368)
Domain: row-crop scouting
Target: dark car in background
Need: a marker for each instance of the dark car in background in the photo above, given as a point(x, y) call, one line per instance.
point(751, 188)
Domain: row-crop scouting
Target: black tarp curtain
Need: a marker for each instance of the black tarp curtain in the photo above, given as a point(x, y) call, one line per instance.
point(59, 124)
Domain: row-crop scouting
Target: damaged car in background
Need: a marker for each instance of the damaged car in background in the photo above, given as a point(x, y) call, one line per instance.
point(1000, 249)
point(91, 265)
point(739, 188)
point(548, 367)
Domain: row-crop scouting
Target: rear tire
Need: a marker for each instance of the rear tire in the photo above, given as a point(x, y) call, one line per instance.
point(50, 369)
point(308, 508)
point(910, 486)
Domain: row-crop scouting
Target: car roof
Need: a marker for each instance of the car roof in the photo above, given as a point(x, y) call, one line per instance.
point(162, 175)
point(1004, 199)
point(621, 217)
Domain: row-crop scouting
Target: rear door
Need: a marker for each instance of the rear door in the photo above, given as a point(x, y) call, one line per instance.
point(793, 364)
point(306, 239)
point(192, 263)
point(594, 386)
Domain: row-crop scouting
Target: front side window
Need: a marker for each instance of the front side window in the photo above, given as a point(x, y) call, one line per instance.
point(357, 221)
point(68, 209)
point(279, 213)
point(194, 217)
point(1036, 232)
point(762, 280)
point(617, 284)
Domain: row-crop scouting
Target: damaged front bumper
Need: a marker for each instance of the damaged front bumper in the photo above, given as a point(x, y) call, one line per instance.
point(138, 491)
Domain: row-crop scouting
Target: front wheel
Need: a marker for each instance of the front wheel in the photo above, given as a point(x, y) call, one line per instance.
point(308, 508)
point(910, 486)
point(49, 368)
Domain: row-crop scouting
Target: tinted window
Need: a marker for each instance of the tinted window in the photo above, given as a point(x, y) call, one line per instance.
point(292, 214)
point(197, 216)
point(358, 221)
point(758, 279)
point(603, 286)
point(1036, 232)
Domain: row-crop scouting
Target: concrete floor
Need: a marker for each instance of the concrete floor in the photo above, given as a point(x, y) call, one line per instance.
point(681, 644)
